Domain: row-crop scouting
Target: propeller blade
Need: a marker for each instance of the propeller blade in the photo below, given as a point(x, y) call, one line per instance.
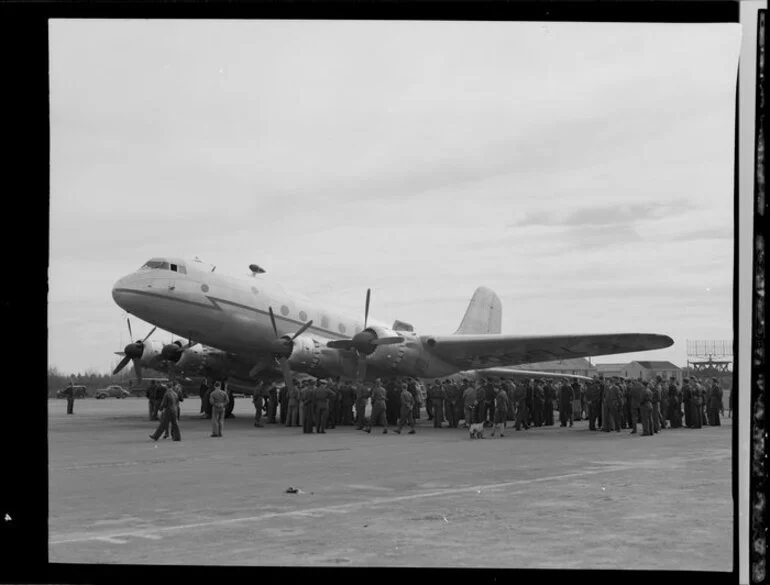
point(130, 333)
point(340, 344)
point(387, 340)
point(302, 330)
point(366, 312)
point(272, 320)
point(286, 373)
point(148, 335)
point(120, 353)
point(121, 365)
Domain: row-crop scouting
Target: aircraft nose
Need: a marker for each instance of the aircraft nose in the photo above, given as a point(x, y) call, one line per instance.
point(118, 291)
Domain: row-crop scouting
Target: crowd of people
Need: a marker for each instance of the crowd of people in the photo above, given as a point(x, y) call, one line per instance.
point(609, 404)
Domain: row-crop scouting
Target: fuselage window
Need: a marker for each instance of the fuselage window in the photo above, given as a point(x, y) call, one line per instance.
point(302, 316)
point(173, 268)
point(284, 310)
point(156, 264)
point(342, 328)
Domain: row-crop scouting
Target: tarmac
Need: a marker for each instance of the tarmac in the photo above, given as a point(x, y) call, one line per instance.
point(549, 497)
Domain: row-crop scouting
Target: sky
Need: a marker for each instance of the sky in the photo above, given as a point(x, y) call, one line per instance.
point(583, 171)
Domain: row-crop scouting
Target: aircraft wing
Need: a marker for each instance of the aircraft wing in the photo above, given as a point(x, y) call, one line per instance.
point(475, 352)
point(516, 373)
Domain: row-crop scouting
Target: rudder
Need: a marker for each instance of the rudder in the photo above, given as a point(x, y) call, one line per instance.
point(484, 313)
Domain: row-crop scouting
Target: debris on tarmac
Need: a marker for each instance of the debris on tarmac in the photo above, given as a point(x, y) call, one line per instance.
point(292, 490)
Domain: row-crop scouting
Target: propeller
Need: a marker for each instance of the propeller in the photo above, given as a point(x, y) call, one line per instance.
point(364, 342)
point(281, 348)
point(133, 351)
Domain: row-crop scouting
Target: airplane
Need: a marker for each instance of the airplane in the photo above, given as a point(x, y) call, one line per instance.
point(259, 325)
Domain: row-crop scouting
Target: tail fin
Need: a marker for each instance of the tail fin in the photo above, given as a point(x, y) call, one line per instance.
point(484, 313)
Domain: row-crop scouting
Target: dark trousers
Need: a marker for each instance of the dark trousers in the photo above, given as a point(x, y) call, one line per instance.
point(284, 411)
point(695, 416)
point(593, 415)
point(307, 424)
point(346, 412)
point(635, 418)
point(675, 415)
point(646, 412)
point(714, 417)
point(522, 415)
point(360, 413)
point(321, 417)
point(168, 417)
point(437, 412)
point(272, 410)
point(491, 412)
point(70, 405)
point(155, 409)
point(688, 414)
point(537, 413)
point(611, 418)
point(429, 408)
point(407, 418)
point(449, 408)
point(565, 414)
point(548, 412)
point(378, 415)
point(655, 417)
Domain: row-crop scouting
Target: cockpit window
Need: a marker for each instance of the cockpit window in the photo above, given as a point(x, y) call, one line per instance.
point(163, 265)
point(156, 264)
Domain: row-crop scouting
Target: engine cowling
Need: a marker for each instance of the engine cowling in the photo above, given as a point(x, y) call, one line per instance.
point(311, 356)
point(410, 358)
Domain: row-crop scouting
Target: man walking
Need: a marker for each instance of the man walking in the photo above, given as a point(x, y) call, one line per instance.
point(565, 404)
point(407, 410)
point(362, 397)
point(379, 400)
point(69, 393)
point(501, 411)
point(168, 405)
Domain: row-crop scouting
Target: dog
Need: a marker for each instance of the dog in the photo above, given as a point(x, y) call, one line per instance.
point(477, 431)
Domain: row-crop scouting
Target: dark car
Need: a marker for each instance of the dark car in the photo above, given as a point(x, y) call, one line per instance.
point(112, 392)
point(79, 392)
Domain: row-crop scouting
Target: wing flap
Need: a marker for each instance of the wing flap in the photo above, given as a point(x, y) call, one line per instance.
point(471, 352)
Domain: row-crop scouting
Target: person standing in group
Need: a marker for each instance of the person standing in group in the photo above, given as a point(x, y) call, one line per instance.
point(412, 387)
point(259, 403)
point(407, 410)
point(202, 392)
point(635, 400)
point(292, 405)
point(230, 399)
point(576, 410)
point(308, 401)
point(168, 405)
point(674, 407)
point(490, 391)
point(696, 402)
point(664, 410)
point(509, 388)
point(218, 400)
point(379, 400)
point(645, 408)
point(272, 405)
point(611, 415)
point(715, 403)
point(321, 398)
point(565, 404)
point(654, 388)
point(150, 394)
point(548, 396)
point(592, 403)
point(687, 403)
point(347, 399)
point(469, 404)
point(451, 396)
point(522, 416)
point(362, 393)
point(436, 397)
point(501, 411)
point(538, 405)
point(69, 394)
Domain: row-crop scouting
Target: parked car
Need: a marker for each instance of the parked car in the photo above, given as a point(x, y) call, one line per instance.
point(80, 392)
point(112, 392)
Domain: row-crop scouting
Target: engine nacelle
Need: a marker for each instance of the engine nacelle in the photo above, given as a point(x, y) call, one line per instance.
point(313, 357)
point(410, 358)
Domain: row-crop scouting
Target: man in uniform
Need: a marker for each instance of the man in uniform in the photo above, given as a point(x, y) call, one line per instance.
point(522, 416)
point(654, 388)
point(645, 408)
point(674, 407)
point(308, 401)
point(577, 413)
point(479, 412)
point(259, 403)
point(510, 386)
point(334, 405)
point(592, 402)
point(203, 391)
point(611, 412)
point(436, 398)
point(696, 402)
point(412, 388)
point(538, 404)
point(160, 392)
point(150, 394)
point(292, 405)
point(218, 400)
point(469, 404)
point(379, 399)
point(501, 410)
point(272, 404)
point(347, 399)
point(230, 399)
point(451, 396)
point(321, 398)
point(407, 410)
point(168, 405)
point(548, 396)
point(602, 406)
point(362, 396)
point(636, 393)
point(69, 394)
point(715, 403)
point(283, 403)
point(489, 403)
point(664, 411)
point(687, 403)
point(565, 404)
